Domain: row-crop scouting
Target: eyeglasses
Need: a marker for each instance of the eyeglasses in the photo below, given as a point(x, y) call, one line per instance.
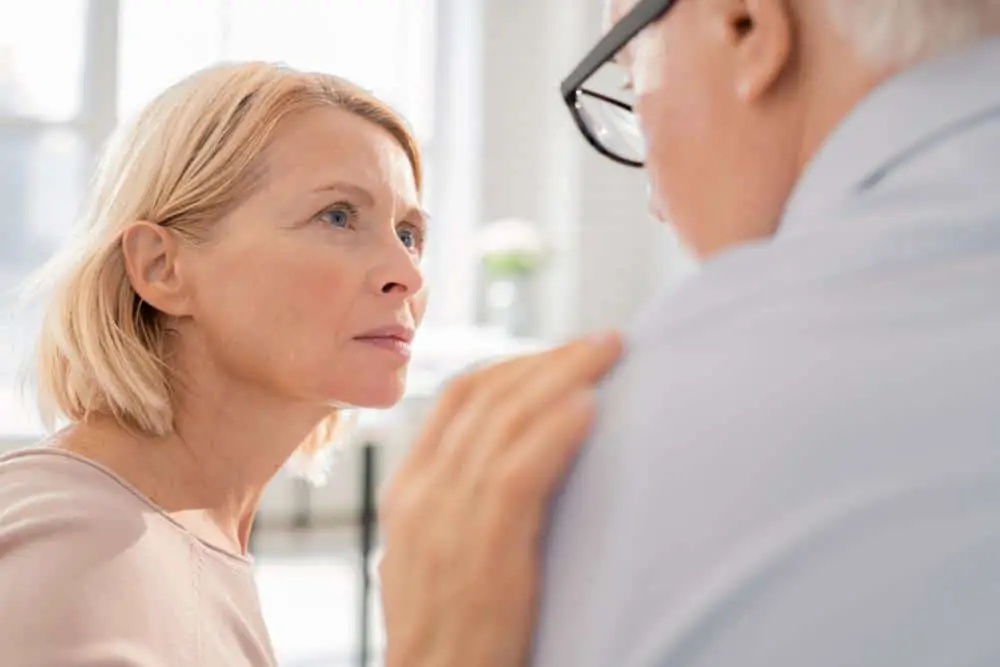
point(606, 120)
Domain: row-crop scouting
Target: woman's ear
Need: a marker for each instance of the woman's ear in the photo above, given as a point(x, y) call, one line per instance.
point(152, 264)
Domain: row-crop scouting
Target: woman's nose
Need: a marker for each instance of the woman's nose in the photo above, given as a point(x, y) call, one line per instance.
point(398, 273)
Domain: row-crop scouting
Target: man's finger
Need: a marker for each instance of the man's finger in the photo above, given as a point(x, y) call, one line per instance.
point(532, 469)
point(458, 392)
point(581, 365)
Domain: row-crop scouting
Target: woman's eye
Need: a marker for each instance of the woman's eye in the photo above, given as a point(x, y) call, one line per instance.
point(410, 237)
point(339, 216)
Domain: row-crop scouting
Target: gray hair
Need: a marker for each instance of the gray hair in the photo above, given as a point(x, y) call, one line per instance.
point(895, 32)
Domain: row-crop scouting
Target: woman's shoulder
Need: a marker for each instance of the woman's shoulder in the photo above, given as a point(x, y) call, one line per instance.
point(80, 562)
point(46, 489)
point(60, 513)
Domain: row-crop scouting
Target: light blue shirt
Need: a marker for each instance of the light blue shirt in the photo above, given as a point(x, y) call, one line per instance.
point(798, 462)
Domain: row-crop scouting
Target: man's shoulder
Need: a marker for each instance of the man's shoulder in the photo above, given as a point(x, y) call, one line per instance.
point(748, 406)
point(842, 289)
point(709, 334)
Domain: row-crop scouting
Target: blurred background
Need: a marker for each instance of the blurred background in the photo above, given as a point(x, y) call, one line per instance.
point(534, 236)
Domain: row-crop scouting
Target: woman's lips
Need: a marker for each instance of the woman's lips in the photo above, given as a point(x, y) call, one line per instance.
point(393, 344)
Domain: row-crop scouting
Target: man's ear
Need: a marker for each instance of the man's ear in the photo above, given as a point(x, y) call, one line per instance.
point(152, 263)
point(761, 33)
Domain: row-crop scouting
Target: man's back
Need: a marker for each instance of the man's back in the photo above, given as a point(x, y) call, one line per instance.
point(799, 461)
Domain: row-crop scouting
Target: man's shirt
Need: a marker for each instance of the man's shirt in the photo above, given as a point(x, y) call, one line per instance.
point(797, 464)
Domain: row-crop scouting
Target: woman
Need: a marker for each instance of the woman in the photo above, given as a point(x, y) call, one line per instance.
point(251, 262)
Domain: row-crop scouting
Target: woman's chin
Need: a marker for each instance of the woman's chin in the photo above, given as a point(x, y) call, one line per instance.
point(383, 403)
point(374, 398)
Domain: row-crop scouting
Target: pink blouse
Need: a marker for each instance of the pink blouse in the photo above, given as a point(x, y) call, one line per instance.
point(92, 573)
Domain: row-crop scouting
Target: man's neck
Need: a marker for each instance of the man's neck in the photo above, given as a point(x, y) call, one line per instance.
point(836, 79)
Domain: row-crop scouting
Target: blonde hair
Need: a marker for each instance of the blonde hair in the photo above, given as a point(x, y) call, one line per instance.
point(191, 156)
point(897, 32)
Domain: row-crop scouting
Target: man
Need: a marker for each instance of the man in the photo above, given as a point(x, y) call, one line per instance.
point(798, 461)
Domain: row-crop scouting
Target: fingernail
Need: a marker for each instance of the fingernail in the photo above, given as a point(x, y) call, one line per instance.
point(602, 338)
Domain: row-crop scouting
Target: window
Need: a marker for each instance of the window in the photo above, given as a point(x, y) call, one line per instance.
point(385, 45)
point(43, 161)
point(64, 84)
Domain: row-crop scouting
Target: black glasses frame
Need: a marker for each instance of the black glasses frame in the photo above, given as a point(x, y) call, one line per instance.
point(635, 21)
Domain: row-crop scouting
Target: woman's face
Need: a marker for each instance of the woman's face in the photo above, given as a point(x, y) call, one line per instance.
point(306, 289)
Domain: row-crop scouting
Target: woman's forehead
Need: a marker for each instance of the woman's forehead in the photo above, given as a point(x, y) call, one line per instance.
point(312, 150)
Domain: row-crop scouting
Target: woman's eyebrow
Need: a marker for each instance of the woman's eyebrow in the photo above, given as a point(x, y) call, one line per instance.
point(366, 197)
point(419, 215)
point(422, 217)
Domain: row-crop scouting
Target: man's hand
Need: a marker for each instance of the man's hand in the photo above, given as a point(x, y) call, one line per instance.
point(463, 516)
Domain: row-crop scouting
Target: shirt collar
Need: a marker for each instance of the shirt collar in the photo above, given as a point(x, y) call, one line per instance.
point(893, 123)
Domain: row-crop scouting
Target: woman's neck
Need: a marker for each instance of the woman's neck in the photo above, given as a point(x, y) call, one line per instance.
point(211, 471)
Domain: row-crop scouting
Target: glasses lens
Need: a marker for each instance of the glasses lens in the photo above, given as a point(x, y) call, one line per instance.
point(615, 127)
point(604, 105)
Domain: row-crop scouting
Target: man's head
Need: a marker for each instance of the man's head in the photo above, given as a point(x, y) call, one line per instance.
point(734, 97)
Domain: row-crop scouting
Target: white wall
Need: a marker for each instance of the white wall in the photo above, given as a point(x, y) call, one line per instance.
point(525, 158)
